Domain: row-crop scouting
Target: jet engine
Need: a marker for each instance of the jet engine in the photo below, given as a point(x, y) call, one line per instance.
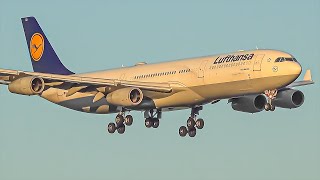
point(27, 86)
point(289, 99)
point(249, 103)
point(125, 97)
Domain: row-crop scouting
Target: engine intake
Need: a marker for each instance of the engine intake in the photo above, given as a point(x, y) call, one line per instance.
point(249, 103)
point(27, 86)
point(125, 97)
point(289, 99)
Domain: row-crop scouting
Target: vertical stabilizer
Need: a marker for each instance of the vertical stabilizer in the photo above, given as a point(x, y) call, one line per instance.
point(43, 57)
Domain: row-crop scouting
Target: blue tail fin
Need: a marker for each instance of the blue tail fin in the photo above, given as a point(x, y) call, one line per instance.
point(42, 55)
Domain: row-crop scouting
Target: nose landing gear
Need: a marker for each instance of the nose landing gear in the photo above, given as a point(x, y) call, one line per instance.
point(192, 123)
point(271, 94)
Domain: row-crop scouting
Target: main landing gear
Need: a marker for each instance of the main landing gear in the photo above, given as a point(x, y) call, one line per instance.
point(121, 121)
point(192, 123)
point(152, 118)
point(271, 94)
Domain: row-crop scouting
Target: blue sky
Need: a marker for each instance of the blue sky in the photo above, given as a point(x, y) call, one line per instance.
point(40, 140)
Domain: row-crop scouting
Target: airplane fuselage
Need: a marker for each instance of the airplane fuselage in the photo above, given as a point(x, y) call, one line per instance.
point(196, 81)
point(252, 81)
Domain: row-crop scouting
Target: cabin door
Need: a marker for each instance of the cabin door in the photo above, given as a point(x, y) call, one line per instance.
point(257, 62)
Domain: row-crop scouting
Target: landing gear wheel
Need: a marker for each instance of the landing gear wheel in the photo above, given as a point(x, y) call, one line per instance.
point(192, 132)
point(148, 123)
point(111, 128)
point(200, 123)
point(267, 107)
point(183, 131)
point(152, 117)
point(190, 122)
point(128, 120)
point(271, 95)
point(121, 129)
point(155, 123)
point(272, 108)
point(119, 119)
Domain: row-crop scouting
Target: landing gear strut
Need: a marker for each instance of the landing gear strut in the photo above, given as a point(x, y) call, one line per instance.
point(152, 118)
point(271, 94)
point(192, 123)
point(121, 121)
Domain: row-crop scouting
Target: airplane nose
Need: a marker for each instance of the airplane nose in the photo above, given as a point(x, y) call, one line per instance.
point(296, 69)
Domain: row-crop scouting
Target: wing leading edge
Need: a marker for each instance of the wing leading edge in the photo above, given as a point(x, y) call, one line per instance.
point(7, 76)
point(307, 80)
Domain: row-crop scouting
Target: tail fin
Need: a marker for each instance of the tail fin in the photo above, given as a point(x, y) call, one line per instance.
point(42, 55)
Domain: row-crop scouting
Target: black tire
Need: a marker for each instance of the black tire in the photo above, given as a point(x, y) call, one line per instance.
point(192, 132)
point(200, 123)
point(111, 128)
point(272, 108)
point(190, 122)
point(119, 119)
point(121, 129)
point(183, 131)
point(267, 107)
point(148, 123)
point(128, 120)
point(155, 123)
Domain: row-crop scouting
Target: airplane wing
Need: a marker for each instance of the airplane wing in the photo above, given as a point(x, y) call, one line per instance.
point(307, 80)
point(7, 76)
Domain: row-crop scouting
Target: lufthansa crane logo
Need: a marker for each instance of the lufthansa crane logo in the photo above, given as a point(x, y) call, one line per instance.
point(275, 68)
point(36, 46)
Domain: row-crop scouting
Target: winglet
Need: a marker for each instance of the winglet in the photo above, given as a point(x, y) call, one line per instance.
point(307, 80)
point(307, 76)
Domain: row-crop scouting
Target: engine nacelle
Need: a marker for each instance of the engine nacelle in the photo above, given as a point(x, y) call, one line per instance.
point(27, 86)
point(289, 99)
point(249, 103)
point(125, 97)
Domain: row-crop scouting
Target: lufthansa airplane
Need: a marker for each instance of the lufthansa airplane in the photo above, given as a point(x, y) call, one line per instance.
point(251, 81)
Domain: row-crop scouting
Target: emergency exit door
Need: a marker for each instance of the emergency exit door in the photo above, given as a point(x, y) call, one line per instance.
point(202, 69)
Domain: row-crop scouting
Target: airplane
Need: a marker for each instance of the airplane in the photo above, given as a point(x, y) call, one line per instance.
point(252, 81)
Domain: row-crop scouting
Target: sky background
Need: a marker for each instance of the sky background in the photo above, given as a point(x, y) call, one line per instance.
point(40, 140)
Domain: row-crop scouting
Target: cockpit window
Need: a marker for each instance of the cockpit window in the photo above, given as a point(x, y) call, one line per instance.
point(291, 59)
point(282, 59)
